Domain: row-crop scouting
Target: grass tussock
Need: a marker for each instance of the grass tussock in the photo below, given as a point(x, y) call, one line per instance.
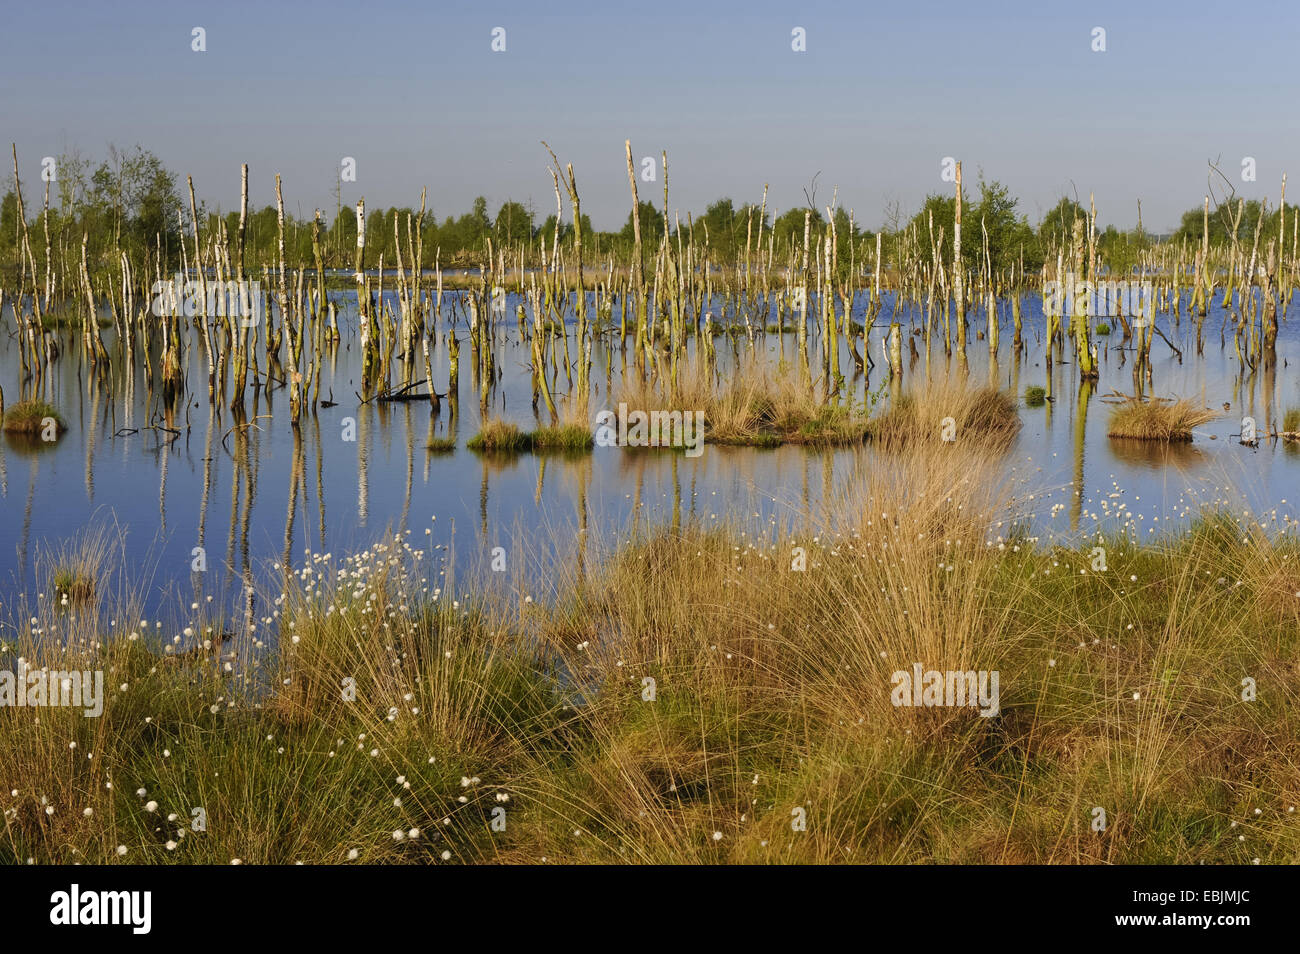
point(76, 573)
point(502, 437)
point(76, 586)
point(442, 445)
point(1157, 420)
point(565, 438)
point(944, 412)
point(30, 418)
point(1035, 396)
point(754, 405)
point(1291, 420)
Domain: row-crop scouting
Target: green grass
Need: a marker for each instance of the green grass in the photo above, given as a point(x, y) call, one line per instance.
point(570, 438)
point(74, 583)
point(1291, 421)
point(442, 445)
point(766, 440)
point(501, 437)
point(28, 417)
point(1035, 396)
point(1103, 329)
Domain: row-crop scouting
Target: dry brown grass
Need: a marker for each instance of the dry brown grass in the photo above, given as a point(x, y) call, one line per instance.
point(978, 416)
point(1160, 419)
point(753, 405)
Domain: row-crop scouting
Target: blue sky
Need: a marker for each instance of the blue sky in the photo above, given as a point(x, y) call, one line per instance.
point(414, 92)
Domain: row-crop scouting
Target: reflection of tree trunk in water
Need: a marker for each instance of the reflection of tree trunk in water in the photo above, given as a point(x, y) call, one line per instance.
point(207, 492)
point(582, 516)
point(234, 503)
point(693, 497)
point(253, 463)
point(162, 486)
point(320, 482)
point(128, 405)
point(1080, 431)
point(250, 493)
point(90, 441)
point(242, 485)
point(1250, 397)
point(27, 513)
point(677, 495)
point(428, 442)
point(609, 367)
point(483, 501)
point(1015, 371)
point(410, 465)
point(363, 465)
point(295, 478)
point(541, 477)
point(1268, 382)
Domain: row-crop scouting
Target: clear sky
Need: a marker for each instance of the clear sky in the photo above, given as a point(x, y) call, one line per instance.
point(415, 93)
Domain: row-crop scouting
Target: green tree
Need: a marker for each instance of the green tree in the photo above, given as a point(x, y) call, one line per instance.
point(788, 228)
point(135, 194)
point(514, 224)
point(1009, 235)
point(1058, 224)
point(9, 228)
point(651, 227)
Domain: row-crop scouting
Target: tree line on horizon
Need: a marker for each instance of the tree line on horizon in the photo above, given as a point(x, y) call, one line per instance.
point(131, 202)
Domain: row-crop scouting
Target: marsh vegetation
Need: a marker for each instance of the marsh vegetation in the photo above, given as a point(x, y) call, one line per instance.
point(668, 680)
